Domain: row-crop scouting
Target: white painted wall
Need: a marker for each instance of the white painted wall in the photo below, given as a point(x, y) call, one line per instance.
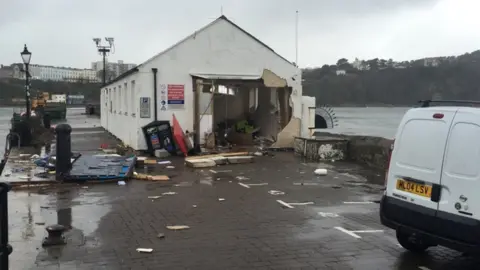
point(219, 49)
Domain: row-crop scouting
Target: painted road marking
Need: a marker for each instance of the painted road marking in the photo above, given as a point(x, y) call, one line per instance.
point(301, 203)
point(354, 233)
point(423, 268)
point(368, 231)
point(357, 202)
point(285, 204)
point(348, 232)
point(259, 184)
point(323, 214)
point(244, 185)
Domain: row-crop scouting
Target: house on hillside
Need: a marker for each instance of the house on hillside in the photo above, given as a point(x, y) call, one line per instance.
point(218, 74)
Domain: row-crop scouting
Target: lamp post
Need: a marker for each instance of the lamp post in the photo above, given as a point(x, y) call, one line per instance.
point(104, 50)
point(26, 56)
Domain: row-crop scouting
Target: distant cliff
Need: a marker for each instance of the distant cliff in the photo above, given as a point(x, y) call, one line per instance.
point(385, 82)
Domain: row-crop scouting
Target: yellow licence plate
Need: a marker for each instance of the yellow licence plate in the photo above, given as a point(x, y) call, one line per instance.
point(414, 188)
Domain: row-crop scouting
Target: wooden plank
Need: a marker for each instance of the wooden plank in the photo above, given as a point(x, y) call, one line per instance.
point(219, 155)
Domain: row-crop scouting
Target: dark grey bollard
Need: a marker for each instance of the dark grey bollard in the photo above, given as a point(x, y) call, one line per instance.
point(47, 122)
point(64, 150)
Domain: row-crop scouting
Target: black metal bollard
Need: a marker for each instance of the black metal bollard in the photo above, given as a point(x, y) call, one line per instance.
point(64, 150)
point(47, 121)
point(5, 248)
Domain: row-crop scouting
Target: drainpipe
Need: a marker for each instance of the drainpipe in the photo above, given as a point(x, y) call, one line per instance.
point(155, 104)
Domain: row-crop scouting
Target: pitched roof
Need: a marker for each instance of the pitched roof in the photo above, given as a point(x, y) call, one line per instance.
point(223, 17)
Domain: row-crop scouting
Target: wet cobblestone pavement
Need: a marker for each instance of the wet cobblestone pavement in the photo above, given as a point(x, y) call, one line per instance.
point(249, 229)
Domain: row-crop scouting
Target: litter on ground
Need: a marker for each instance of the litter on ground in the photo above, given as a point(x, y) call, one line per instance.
point(145, 250)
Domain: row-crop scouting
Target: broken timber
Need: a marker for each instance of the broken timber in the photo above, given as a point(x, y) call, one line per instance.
point(218, 159)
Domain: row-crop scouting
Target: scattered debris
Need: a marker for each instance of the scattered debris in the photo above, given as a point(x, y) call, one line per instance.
point(258, 184)
point(154, 197)
point(161, 153)
point(141, 176)
point(321, 172)
point(150, 161)
point(305, 184)
point(121, 183)
point(170, 167)
point(145, 250)
point(258, 154)
point(85, 187)
point(194, 206)
point(336, 187)
point(161, 235)
point(241, 178)
point(178, 227)
point(224, 171)
point(221, 199)
point(163, 162)
point(169, 193)
point(276, 192)
point(39, 223)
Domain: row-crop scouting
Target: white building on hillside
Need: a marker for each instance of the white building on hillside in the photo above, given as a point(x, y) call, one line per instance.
point(51, 73)
point(260, 82)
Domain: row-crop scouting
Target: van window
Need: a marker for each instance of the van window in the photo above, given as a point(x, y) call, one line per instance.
point(421, 144)
point(463, 151)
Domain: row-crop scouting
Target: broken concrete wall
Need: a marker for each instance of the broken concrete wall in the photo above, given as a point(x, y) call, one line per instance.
point(285, 139)
point(325, 149)
point(367, 150)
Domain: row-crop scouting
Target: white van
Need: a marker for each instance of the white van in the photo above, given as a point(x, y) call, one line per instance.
point(432, 194)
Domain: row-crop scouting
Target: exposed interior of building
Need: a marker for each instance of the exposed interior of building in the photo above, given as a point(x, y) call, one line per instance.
point(241, 110)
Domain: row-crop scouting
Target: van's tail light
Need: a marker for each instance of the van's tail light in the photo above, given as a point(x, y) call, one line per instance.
point(388, 163)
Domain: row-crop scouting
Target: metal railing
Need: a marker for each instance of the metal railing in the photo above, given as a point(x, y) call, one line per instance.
point(5, 248)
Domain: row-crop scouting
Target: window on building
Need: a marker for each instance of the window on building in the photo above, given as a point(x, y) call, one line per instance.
point(110, 98)
point(125, 98)
point(120, 100)
point(115, 105)
point(133, 99)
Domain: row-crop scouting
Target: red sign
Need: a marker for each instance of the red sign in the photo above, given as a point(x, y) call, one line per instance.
point(176, 94)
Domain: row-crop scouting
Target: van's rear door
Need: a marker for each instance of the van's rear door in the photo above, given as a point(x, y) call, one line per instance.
point(461, 172)
point(417, 158)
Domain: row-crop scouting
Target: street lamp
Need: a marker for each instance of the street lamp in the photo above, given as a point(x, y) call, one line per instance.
point(104, 50)
point(26, 56)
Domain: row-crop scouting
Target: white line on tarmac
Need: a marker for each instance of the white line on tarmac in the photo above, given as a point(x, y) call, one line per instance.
point(259, 184)
point(357, 202)
point(285, 204)
point(368, 231)
point(300, 203)
point(423, 268)
point(305, 184)
point(348, 232)
point(243, 185)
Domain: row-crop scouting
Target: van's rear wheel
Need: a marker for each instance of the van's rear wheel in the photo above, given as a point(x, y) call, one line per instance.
point(412, 242)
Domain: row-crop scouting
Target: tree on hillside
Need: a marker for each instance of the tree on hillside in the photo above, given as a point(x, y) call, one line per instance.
point(342, 61)
point(456, 78)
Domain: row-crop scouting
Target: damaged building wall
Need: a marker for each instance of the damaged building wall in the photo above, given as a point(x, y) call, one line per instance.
point(265, 116)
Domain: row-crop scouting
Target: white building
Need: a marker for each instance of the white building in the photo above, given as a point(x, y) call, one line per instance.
point(51, 73)
point(341, 72)
point(220, 53)
point(117, 68)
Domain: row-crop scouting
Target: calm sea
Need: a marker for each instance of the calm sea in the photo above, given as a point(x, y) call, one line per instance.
point(376, 121)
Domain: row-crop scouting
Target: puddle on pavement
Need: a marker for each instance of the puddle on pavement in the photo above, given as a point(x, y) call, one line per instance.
point(30, 213)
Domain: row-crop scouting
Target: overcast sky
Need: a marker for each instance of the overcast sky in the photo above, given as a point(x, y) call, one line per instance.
point(60, 32)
